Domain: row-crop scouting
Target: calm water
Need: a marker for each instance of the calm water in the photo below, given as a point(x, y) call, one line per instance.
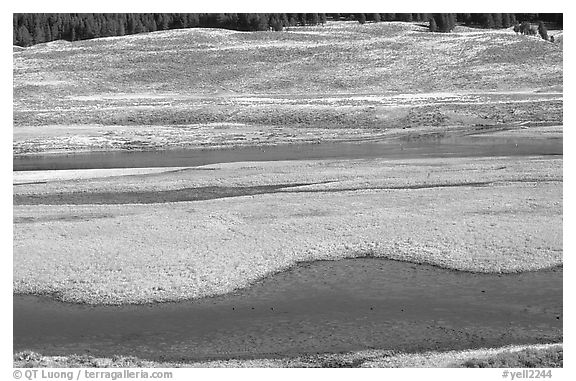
point(456, 146)
point(326, 306)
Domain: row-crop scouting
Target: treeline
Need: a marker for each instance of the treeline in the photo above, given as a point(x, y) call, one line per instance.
point(527, 28)
point(34, 28)
point(445, 22)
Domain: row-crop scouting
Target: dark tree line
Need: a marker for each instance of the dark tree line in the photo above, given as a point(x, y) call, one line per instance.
point(377, 17)
point(522, 22)
point(487, 20)
point(34, 28)
point(527, 28)
point(445, 22)
point(442, 22)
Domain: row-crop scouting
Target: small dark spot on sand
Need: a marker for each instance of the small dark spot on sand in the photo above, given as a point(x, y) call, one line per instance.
point(483, 291)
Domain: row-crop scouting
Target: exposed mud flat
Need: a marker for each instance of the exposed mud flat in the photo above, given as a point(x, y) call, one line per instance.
point(324, 306)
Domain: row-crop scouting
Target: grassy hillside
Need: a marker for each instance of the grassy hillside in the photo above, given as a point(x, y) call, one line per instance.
point(339, 76)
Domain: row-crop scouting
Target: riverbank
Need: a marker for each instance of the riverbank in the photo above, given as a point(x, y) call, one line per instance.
point(518, 356)
point(323, 306)
point(186, 234)
point(110, 241)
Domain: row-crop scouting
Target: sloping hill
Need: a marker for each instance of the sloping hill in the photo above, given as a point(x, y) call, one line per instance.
point(310, 76)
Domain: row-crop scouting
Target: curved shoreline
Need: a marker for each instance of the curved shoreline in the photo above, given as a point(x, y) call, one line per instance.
point(87, 299)
point(327, 306)
point(56, 298)
point(140, 253)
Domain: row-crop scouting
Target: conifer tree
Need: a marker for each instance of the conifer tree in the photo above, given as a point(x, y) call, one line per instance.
point(542, 31)
point(24, 37)
point(466, 18)
point(444, 22)
point(487, 20)
point(38, 31)
point(312, 19)
point(497, 20)
point(506, 22)
point(406, 17)
point(275, 22)
point(433, 27)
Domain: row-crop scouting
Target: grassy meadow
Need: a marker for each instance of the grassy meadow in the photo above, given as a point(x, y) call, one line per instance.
point(195, 88)
point(135, 236)
point(122, 239)
point(117, 236)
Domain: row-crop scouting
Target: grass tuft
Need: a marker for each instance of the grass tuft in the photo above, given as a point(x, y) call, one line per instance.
point(528, 358)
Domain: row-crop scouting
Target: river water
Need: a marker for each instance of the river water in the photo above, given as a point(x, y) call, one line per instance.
point(324, 306)
point(454, 146)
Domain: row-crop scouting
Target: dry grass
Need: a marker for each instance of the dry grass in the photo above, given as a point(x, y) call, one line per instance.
point(527, 358)
point(542, 356)
point(381, 57)
point(432, 212)
point(344, 81)
point(196, 88)
point(340, 81)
